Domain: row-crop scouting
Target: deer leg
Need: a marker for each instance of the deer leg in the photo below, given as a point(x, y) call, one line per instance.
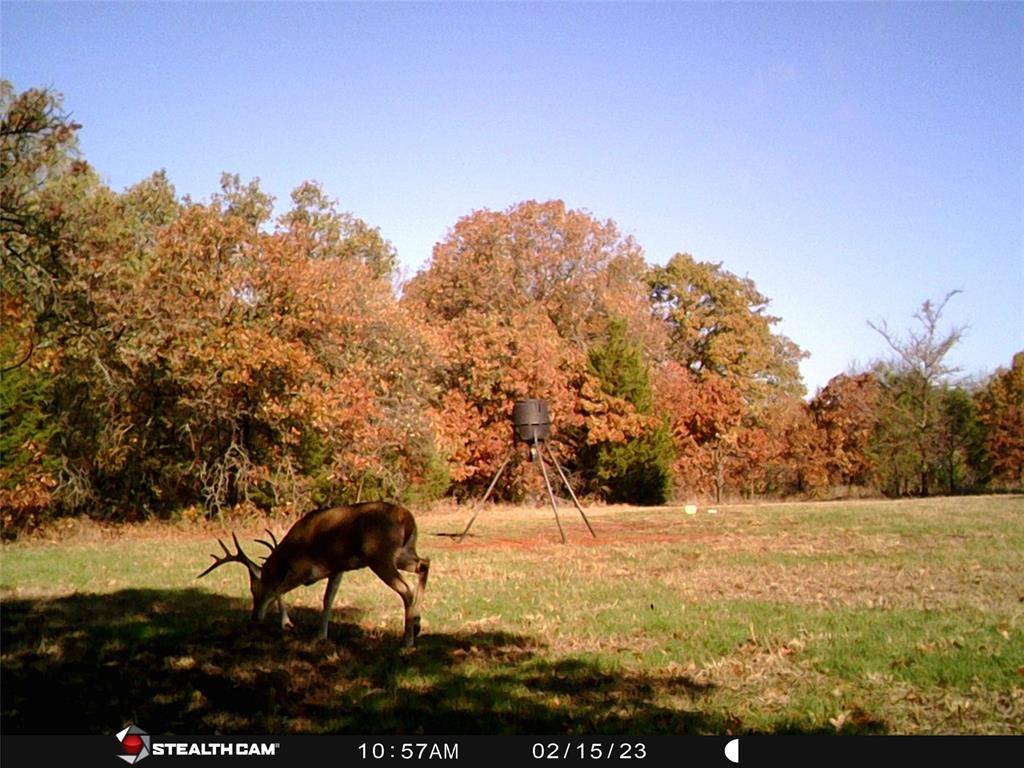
point(423, 569)
point(259, 608)
point(286, 623)
point(389, 574)
point(411, 563)
point(332, 589)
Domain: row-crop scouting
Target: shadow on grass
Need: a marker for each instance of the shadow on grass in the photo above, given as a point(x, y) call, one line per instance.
point(187, 661)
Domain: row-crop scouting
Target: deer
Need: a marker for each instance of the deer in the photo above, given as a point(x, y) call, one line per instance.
point(325, 543)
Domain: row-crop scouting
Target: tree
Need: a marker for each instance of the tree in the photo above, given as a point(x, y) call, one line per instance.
point(782, 452)
point(43, 188)
point(280, 373)
point(512, 301)
point(637, 471)
point(706, 419)
point(912, 384)
point(961, 444)
point(718, 325)
point(1001, 412)
point(62, 249)
point(741, 377)
point(160, 353)
point(338, 234)
point(846, 414)
point(28, 468)
point(803, 451)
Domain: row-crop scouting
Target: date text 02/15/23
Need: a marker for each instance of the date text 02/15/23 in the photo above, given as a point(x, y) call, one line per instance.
point(636, 750)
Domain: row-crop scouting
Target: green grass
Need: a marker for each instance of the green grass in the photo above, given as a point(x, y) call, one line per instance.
point(860, 617)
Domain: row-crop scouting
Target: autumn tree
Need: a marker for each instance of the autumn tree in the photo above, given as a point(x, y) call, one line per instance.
point(160, 352)
point(802, 451)
point(845, 412)
point(706, 418)
point(60, 325)
point(719, 325)
point(1001, 412)
point(740, 372)
point(282, 370)
point(512, 301)
point(782, 452)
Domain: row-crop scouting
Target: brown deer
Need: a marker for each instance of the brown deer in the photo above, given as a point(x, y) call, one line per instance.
point(325, 543)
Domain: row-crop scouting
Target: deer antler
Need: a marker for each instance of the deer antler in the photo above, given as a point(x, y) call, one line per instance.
point(267, 544)
point(237, 557)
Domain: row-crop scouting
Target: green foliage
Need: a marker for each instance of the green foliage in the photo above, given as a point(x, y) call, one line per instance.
point(26, 424)
point(338, 234)
point(903, 463)
point(913, 382)
point(619, 365)
point(432, 484)
point(962, 462)
point(637, 471)
point(718, 325)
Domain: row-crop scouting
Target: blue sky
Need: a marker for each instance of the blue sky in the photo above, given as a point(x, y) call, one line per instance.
point(853, 160)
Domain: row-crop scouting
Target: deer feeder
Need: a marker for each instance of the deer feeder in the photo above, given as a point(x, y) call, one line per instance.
point(531, 421)
point(531, 424)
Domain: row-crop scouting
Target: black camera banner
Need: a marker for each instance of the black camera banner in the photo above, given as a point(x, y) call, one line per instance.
point(134, 745)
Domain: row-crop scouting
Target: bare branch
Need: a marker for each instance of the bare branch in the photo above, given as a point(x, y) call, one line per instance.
point(28, 354)
point(923, 350)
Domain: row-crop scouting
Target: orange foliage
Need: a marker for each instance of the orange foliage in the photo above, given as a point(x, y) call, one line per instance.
point(846, 414)
point(511, 301)
point(1001, 411)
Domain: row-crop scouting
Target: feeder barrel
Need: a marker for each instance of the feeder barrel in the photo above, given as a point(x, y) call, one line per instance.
point(531, 420)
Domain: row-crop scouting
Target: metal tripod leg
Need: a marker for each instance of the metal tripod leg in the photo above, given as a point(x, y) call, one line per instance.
point(551, 494)
point(487, 495)
point(565, 481)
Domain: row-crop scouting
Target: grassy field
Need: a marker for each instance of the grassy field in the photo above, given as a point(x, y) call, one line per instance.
point(853, 617)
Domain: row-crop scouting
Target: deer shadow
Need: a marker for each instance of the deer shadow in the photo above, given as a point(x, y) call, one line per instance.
point(187, 661)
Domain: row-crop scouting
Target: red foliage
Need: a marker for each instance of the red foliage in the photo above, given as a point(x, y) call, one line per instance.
point(511, 300)
point(846, 413)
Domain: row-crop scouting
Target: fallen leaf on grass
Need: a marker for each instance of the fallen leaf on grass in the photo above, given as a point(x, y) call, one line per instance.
point(839, 720)
point(486, 621)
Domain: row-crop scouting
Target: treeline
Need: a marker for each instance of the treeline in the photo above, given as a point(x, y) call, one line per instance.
point(162, 354)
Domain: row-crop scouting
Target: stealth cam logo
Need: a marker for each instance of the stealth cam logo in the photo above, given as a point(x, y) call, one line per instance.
point(135, 744)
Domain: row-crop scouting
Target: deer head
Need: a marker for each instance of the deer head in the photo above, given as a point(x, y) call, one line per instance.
point(256, 586)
